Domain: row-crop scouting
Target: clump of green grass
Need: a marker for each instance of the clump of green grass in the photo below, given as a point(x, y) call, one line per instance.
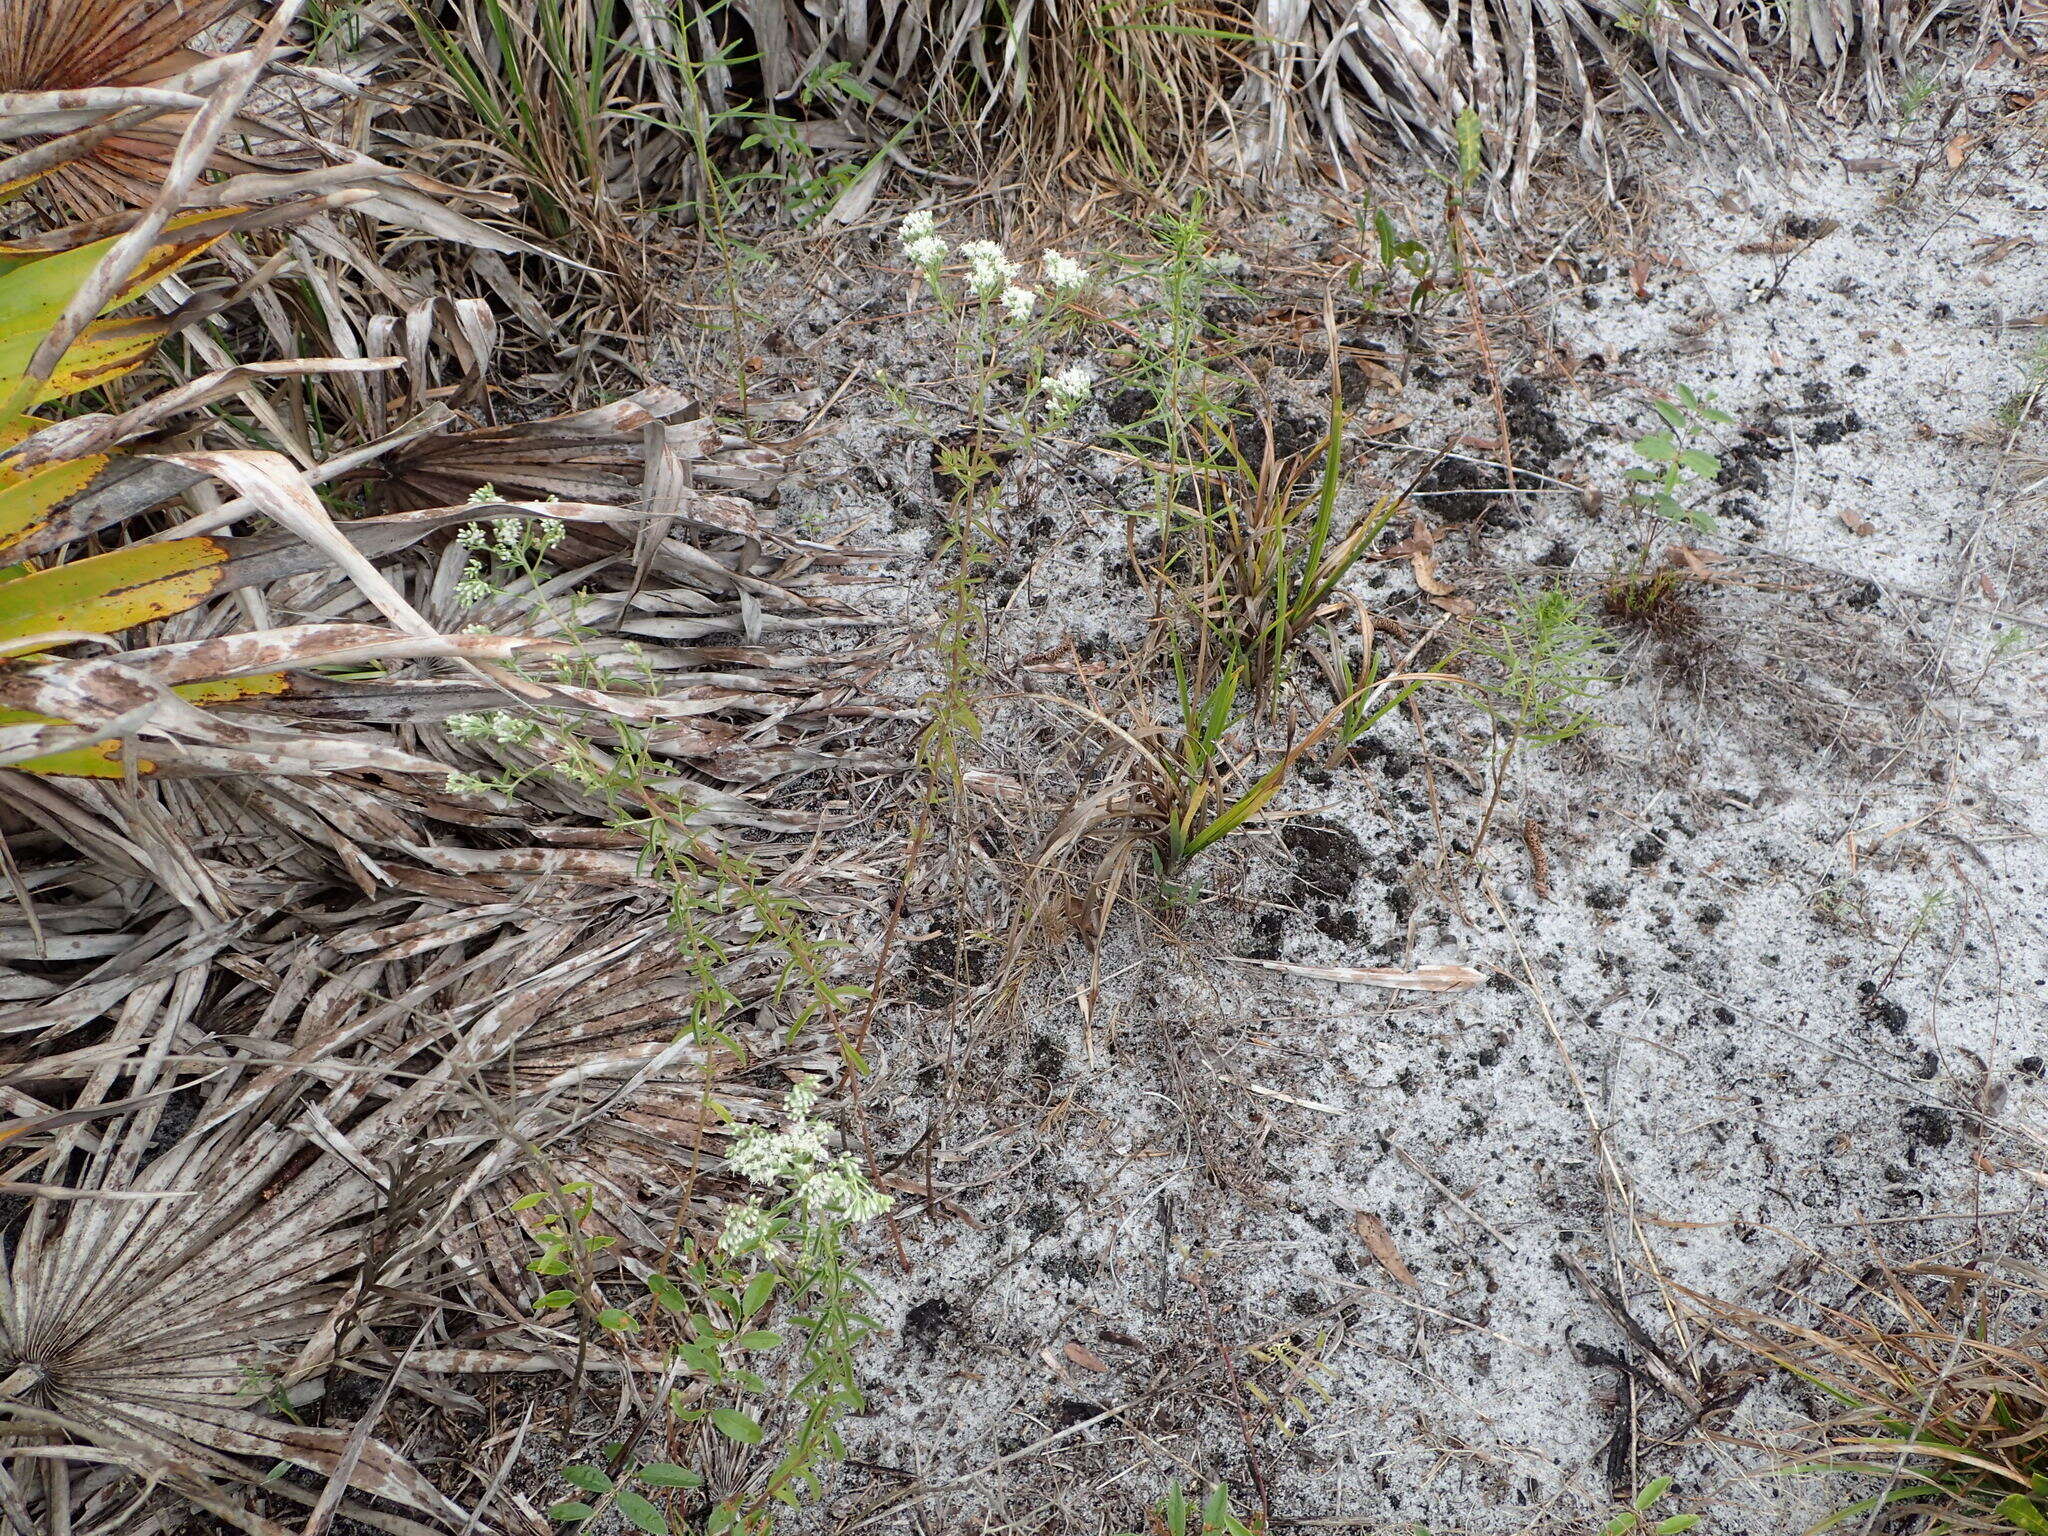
point(1213, 1515)
point(1935, 1380)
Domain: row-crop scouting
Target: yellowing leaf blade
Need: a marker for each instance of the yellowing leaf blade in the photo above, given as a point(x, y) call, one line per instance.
point(26, 502)
point(115, 591)
point(227, 690)
point(107, 350)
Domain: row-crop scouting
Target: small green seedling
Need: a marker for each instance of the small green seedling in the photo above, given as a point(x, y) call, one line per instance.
point(1640, 19)
point(1672, 464)
point(1177, 1515)
point(1918, 92)
point(1471, 136)
point(602, 1491)
point(1637, 1520)
point(1397, 255)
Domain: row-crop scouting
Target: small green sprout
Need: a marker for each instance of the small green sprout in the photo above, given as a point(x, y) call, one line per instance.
point(1636, 1520)
point(1672, 464)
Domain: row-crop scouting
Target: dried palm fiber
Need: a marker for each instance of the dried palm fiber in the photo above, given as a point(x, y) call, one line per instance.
point(1252, 84)
point(176, 1264)
point(120, 47)
point(315, 967)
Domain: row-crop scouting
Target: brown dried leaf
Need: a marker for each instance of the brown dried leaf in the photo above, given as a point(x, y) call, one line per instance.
point(1084, 1357)
point(1423, 564)
point(1379, 1242)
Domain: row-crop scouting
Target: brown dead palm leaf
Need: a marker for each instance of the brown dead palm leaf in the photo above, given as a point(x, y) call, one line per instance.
point(598, 455)
point(167, 1296)
point(1166, 92)
point(599, 1073)
point(136, 57)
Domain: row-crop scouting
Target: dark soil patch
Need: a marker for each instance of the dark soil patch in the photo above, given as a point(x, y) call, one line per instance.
point(1742, 466)
point(1538, 437)
point(1327, 863)
point(1458, 491)
point(942, 966)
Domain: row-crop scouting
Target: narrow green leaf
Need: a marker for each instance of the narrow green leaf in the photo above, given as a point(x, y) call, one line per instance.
point(641, 1513)
point(736, 1426)
point(666, 1474)
point(2023, 1514)
point(589, 1479)
point(613, 1320)
point(1656, 446)
point(569, 1509)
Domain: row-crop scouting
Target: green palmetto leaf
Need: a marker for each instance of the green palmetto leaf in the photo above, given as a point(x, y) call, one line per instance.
point(34, 293)
point(28, 500)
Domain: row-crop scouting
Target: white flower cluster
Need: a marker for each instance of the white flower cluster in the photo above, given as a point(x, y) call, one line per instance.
point(745, 1225)
point(474, 587)
point(762, 1156)
point(510, 539)
point(469, 784)
point(920, 239)
point(1067, 389)
point(1063, 274)
point(991, 273)
point(797, 1156)
point(494, 725)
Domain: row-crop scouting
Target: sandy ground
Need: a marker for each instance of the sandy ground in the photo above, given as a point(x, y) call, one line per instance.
point(1765, 974)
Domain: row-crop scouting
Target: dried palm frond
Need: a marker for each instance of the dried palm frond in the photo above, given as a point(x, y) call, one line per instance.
point(289, 1016)
point(124, 65)
point(170, 1290)
point(1145, 90)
